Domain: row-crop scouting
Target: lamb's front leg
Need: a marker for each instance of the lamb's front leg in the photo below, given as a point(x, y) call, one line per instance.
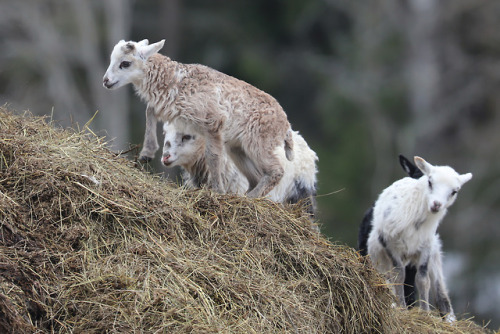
point(385, 261)
point(150, 145)
point(213, 153)
point(423, 283)
point(397, 278)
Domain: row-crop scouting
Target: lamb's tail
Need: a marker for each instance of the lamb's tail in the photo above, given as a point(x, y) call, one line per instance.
point(289, 145)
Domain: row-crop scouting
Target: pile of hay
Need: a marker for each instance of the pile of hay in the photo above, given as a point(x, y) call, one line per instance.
point(91, 244)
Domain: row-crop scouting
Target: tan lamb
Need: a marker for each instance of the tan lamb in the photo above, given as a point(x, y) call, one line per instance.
point(227, 111)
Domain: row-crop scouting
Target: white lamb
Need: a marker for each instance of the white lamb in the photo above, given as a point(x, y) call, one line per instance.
point(228, 112)
point(405, 220)
point(185, 147)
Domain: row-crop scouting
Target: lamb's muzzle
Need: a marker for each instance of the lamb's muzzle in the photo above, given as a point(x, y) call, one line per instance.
point(107, 84)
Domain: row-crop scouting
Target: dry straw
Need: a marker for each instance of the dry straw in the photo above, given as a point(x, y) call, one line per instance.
point(89, 243)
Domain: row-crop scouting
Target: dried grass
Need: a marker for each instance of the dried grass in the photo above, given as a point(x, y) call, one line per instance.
point(90, 244)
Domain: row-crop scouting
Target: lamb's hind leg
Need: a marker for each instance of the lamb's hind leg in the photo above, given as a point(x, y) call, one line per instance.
point(245, 165)
point(443, 302)
point(438, 286)
point(272, 171)
point(409, 287)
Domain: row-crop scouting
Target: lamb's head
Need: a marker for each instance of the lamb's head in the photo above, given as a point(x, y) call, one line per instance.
point(443, 184)
point(127, 62)
point(182, 146)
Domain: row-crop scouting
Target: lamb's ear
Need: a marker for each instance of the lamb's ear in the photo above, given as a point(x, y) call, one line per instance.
point(465, 177)
point(423, 165)
point(147, 51)
point(144, 42)
point(409, 168)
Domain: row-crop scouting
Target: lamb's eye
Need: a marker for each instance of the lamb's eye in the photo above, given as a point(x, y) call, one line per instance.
point(454, 192)
point(186, 137)
point(430, 185)
point(124, 64)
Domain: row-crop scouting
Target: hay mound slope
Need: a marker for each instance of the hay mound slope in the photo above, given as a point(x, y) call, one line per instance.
point(91, 244)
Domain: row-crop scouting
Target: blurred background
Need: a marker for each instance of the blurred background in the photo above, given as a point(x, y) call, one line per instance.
point(361, 80)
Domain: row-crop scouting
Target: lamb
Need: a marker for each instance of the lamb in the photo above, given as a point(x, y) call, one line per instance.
point(405, 220)
point(228, 112)
point(366, 227)
point(185, 147)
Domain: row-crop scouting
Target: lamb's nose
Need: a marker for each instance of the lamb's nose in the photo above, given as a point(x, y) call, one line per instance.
point(436, 206)
point(105, 80)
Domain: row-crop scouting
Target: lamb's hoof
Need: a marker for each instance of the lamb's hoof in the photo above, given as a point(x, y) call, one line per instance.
point(144, 159)
point(253, 194)
point(315, 228)
point(450, 318)
point(219, 190)
point(216, 187)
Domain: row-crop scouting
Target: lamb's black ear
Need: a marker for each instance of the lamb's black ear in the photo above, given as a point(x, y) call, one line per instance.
point(409, 167)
